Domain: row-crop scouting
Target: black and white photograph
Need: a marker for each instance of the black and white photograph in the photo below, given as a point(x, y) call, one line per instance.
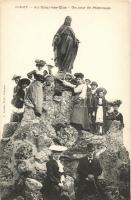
point(65, 100)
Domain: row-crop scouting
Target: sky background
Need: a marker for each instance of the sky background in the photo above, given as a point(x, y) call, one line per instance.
point(103, 53)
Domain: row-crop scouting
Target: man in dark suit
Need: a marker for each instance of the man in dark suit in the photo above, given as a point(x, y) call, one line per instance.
point(88, 171)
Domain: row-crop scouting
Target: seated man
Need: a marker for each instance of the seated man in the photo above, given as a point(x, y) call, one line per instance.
point(88, 171)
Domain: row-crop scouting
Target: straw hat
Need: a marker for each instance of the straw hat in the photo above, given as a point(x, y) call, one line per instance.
point(15, 77)
point(57, 148)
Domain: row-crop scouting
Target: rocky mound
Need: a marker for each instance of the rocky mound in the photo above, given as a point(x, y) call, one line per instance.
point(24, 150)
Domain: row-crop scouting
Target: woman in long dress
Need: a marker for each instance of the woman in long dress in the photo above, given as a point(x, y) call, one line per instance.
point(34, 96)
point(79, 117)
point(55, 175)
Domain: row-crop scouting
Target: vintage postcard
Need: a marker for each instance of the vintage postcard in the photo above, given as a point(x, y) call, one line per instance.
point(65, 100)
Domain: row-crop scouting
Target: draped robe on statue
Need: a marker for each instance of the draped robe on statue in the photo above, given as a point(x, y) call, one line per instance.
point(65, 48)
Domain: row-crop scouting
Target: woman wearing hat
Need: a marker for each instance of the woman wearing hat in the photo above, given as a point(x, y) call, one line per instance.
point(100, 107)
point(18, 100)
point(109, 116)
point(16, 78)
point(117, 115)
point(55, 174)
point(34, 97)
point(79, 118)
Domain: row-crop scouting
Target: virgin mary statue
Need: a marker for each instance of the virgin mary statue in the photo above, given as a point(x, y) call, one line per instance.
point(65, 46)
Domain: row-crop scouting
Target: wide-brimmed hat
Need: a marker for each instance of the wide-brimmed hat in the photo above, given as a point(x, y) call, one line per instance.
point(57, 148)
point(94, 83)
point(15, 77)
point(101, 89)
point(79, 75)
point(90, 147)
point(117, 102)
point(24, 81)
point(49, 65)
point(40, 62)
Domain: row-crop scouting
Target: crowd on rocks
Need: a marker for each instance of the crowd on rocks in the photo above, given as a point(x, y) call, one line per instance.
point(91, 110)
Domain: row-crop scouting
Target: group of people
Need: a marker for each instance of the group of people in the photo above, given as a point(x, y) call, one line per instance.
point(89, 183)
point(29, 91)
point(88, 173)
point(91, 111)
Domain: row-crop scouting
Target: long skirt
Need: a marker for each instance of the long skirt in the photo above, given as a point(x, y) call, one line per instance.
point(80, 115)
point(35, 95)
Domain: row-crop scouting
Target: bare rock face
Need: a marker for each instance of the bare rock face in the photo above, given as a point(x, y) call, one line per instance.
point(24, 150)
point(115, 154)
point(66, 134)
point(32, 189)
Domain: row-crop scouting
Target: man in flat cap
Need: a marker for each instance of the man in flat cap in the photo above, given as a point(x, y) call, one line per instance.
point(88, 170)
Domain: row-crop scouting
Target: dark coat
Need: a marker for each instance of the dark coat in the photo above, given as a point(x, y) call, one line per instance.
point(108, 120)
point(18, 99)
point(15, 90)
point(52, 189)
point(37, 77)
point(85, 168)
point(119, 117)
point(53, 174)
